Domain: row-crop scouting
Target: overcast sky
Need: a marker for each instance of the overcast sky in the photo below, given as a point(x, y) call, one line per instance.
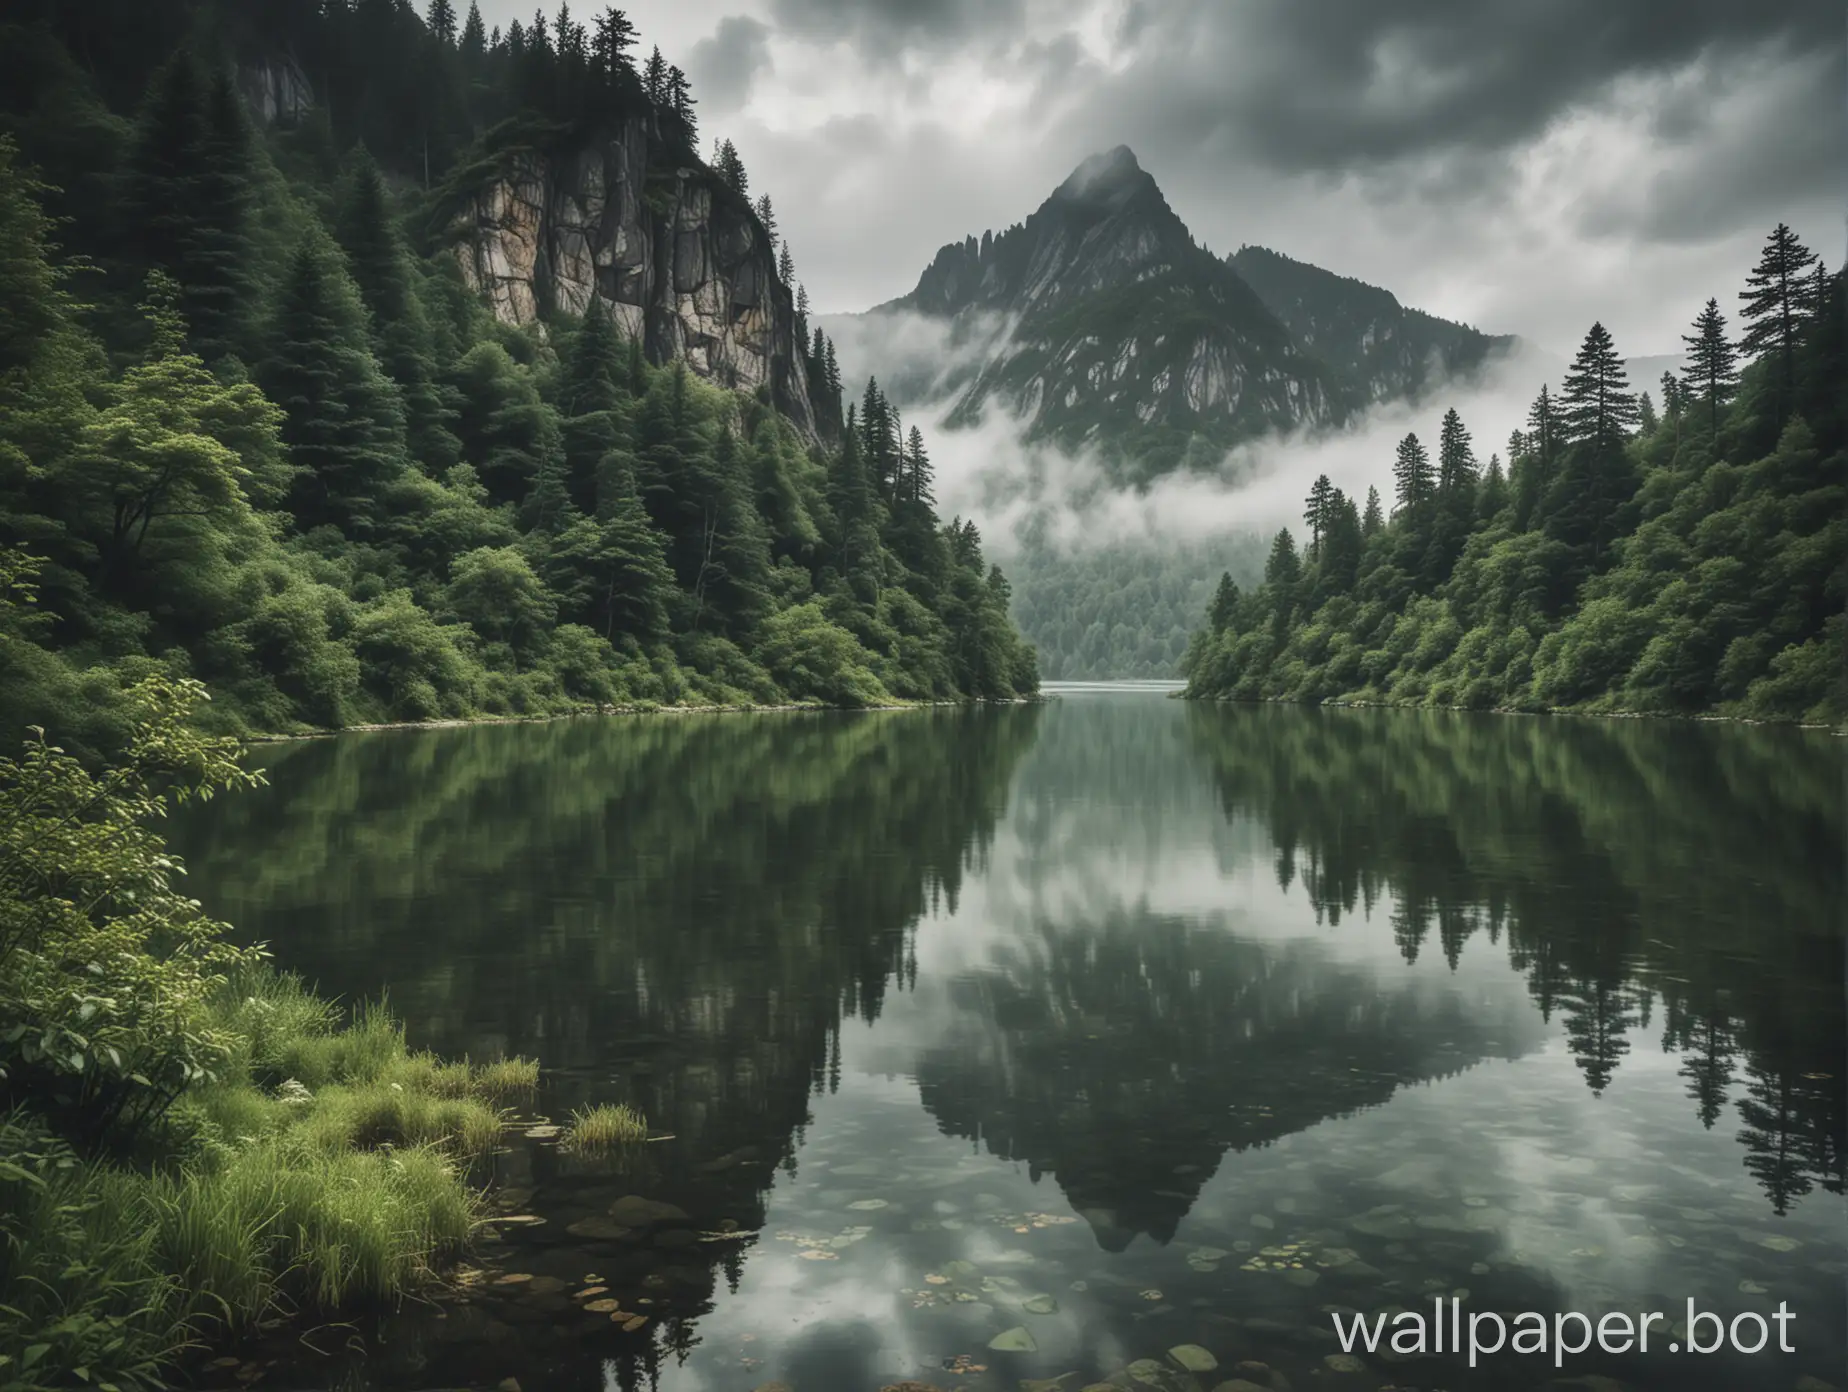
point(1526, 166)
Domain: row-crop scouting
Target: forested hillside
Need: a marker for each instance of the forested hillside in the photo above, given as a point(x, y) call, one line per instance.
point(1104, 611)
point(1682, 560)
point(265, 421)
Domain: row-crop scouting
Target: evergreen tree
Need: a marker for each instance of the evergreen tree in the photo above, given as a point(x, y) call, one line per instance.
point(1412, 473)
point(766, 214)
point(615, 36)
point(1712, 372)
point(1224, 608)
point(1339, 560)
point(654, 78)
point(802, 303)
point(1646, 421)
point(1777, 297)
point(730, 168)
point(1372, 521)
point(1595, 405)
point(1493, 496)
point(441, 20)
point(1543, 438)
point(343, 422)
point(401, 335)
point(1282, 573)
point(680, 101)
point(474, 42)
point(785, 265)
point(187, 197)
point(1456, 458)
point(921, 477)
point(1317, 512)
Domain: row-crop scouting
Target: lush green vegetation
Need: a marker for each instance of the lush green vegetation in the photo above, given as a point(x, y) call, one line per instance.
point(1102, 612)
point(1690, 561)
point(189, 1142)
point(255, 431)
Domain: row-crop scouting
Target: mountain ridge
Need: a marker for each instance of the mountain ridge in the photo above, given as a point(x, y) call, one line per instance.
point(1102, 323)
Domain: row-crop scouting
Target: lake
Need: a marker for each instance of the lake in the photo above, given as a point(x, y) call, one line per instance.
point(1118, 1038)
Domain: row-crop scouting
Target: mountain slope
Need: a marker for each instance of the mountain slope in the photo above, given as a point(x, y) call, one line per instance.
point(1382, 350)
point(1126, 334)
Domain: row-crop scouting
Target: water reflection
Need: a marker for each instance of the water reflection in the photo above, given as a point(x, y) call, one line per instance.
point(1051, 1022)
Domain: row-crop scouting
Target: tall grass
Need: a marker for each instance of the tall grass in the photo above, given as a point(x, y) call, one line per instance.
point(322, 1169)
point(605, 1128)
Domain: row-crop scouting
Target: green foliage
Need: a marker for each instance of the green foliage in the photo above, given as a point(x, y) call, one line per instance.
point(1673, 570)
point(295, 1162)
point(604, 1128)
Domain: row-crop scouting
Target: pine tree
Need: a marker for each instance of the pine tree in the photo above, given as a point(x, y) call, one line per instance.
point(681, 101)
point(343, 423)
point(1224, 608)
point(1712, 370)
point(1412, 473)
point(654, 78)
point(615, 36)
point(921, 477)
point(1372, 521)
point(1456, 458)
point(802, 304)
point(401, 336)
point(1777, 300)
point(441, 20)
point(1646, 421)
point(730, 168)
point(1317, 511)
point(188, 190)
point(785, 266)
point(1543, 437)
point(1595, 405)
point(1493, 495)
point(474, 43)
point(766, 214)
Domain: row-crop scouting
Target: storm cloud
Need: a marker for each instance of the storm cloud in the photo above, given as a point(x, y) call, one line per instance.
point(1525, 167)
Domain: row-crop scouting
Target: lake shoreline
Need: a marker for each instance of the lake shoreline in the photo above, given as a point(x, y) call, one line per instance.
point(1703, 718)
point(600, 712)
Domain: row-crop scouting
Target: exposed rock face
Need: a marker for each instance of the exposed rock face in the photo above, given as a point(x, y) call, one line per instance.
point(275, 90)
point(676, 257)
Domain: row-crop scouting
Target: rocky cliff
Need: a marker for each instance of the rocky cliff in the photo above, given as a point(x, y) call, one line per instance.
point(673, 255)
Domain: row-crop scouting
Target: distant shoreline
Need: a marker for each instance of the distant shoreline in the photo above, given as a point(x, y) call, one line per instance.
point(592, 713)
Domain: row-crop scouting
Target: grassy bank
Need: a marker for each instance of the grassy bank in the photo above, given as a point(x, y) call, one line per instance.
point(191, 1143)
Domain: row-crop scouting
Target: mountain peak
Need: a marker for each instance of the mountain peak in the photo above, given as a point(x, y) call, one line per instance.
point(1104, 177)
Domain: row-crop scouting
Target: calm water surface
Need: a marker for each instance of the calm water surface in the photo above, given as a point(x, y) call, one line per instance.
point(1033, 1042)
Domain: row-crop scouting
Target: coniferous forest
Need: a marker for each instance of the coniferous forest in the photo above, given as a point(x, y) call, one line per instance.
point(258, 431)
point(1673, 558)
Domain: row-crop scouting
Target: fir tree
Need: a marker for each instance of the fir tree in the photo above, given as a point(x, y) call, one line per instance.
point(342, 420)
point(615, 35)
point(401, 337)
point(680, 101)
point(1712, 371)
point(785, 265)
point(1777, 298)
point(1493, 495)
point(730, 168)
point(766, 214)
point(441, 20)
point(654, 78)
point(1596, 407)
point(921, 477)
point(474, 42)
point(1412, 473)
point(1317, 512)
point(1456, 458)
point(1224, 608)
point(1372, 521)
point(187, 189)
